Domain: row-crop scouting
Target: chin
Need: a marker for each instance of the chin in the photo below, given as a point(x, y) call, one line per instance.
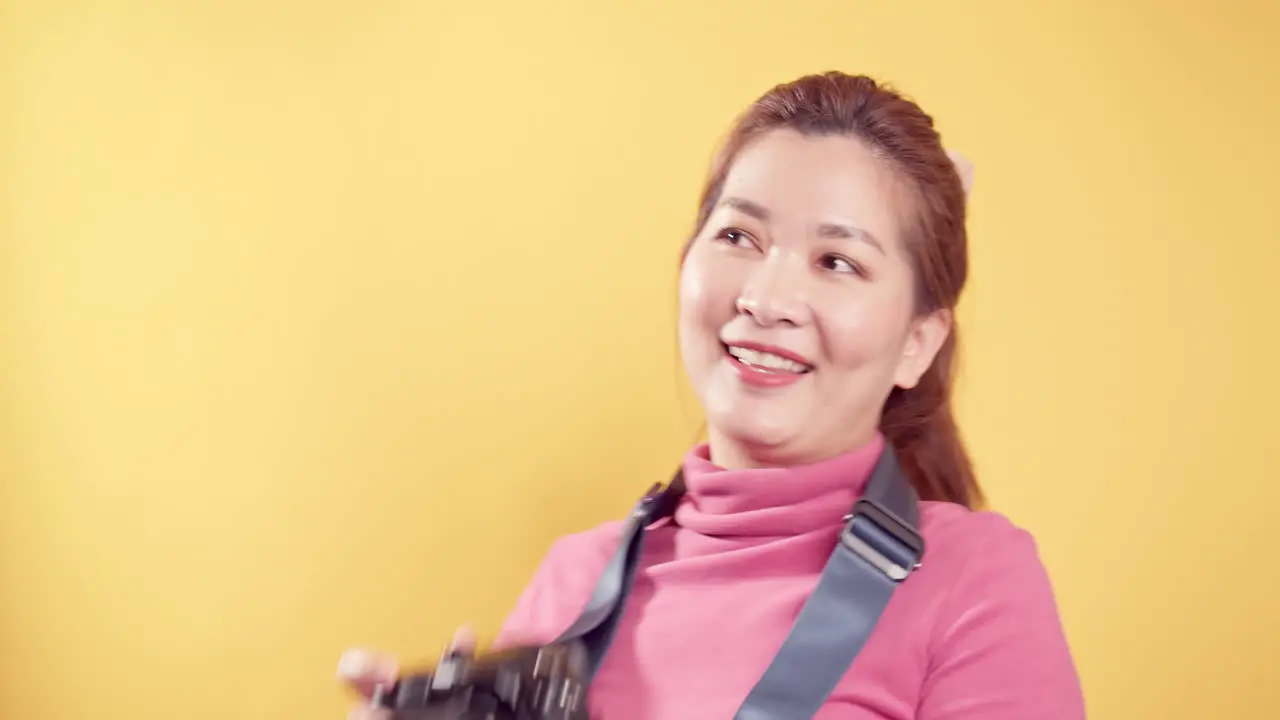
point(747, 416)
point(762, 435)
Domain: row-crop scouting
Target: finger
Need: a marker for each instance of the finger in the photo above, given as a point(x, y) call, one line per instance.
point(364, 712)
point(464, 640)
point(364, 669)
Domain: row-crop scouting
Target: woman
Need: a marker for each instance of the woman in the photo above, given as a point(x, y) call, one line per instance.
point(817, 328)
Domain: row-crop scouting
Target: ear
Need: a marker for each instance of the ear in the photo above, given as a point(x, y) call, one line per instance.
point(964, 167)
point(925, 339)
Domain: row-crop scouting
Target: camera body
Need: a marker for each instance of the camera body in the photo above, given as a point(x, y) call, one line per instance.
point(532, 683)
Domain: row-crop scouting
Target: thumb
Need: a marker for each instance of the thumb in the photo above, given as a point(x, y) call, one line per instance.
point(365, 669)
point(464, 640)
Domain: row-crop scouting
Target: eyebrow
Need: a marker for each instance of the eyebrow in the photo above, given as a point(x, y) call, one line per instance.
point(842, 231)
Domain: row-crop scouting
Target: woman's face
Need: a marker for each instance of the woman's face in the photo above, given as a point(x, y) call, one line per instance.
point(797, 302)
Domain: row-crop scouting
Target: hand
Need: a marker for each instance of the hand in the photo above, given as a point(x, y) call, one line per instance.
point(363, 670)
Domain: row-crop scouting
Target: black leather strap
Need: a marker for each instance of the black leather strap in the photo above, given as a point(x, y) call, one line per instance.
point(877, 549)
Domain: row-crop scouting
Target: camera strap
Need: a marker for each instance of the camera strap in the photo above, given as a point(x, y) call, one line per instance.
point(878, 547)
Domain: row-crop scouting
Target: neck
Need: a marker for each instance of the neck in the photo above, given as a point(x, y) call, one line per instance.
point(773, 500)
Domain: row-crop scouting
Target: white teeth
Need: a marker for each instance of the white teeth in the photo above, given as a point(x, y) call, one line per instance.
point(766, 360)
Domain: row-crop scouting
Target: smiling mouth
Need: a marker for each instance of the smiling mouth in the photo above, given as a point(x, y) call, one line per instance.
point(766, 362)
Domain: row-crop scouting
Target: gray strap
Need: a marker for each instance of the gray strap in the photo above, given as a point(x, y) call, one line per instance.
point(876, 551)
point(878, 548)
point(596, 624)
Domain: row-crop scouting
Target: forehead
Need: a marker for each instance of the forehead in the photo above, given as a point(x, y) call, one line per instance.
point(814, 179)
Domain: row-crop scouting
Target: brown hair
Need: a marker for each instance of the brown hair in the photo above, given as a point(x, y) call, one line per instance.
point(918, 422)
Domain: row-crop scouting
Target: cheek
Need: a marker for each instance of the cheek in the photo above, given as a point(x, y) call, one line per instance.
point(692, 288)
point(859, 332)
point(706, 305)
point(706, 296)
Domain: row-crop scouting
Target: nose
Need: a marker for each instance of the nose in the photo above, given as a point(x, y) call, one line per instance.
point(773, 293)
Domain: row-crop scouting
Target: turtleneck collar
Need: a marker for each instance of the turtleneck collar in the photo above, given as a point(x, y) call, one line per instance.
point(772, 502)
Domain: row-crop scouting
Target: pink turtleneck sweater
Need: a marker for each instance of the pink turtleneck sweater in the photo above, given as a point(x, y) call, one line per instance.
point(974, 633)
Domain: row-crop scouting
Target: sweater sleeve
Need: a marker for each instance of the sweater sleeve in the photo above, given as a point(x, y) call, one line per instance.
point(1000, 652)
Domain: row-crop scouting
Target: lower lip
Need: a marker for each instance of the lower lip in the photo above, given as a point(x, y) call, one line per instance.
point(763, 378)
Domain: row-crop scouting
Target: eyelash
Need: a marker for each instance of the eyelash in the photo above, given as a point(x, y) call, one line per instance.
point(729, 236)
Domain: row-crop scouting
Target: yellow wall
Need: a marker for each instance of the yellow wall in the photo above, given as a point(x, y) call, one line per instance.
point(320, 320)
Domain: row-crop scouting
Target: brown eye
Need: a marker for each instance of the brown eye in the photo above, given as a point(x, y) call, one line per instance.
point(735, 237)
point(836, 263)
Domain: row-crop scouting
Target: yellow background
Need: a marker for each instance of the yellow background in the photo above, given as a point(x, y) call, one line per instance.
point(321, 319)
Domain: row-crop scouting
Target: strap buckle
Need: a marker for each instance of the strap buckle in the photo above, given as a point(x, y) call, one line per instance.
point(644, 508)
point(883, 539)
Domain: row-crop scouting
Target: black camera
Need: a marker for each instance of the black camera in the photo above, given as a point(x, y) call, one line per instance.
point(540, 683)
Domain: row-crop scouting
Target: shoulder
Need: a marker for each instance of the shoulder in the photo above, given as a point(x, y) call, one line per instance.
point(991, 576)
point(560, 586)
point(977, 541)
point(579, 557)
point(997, 620)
